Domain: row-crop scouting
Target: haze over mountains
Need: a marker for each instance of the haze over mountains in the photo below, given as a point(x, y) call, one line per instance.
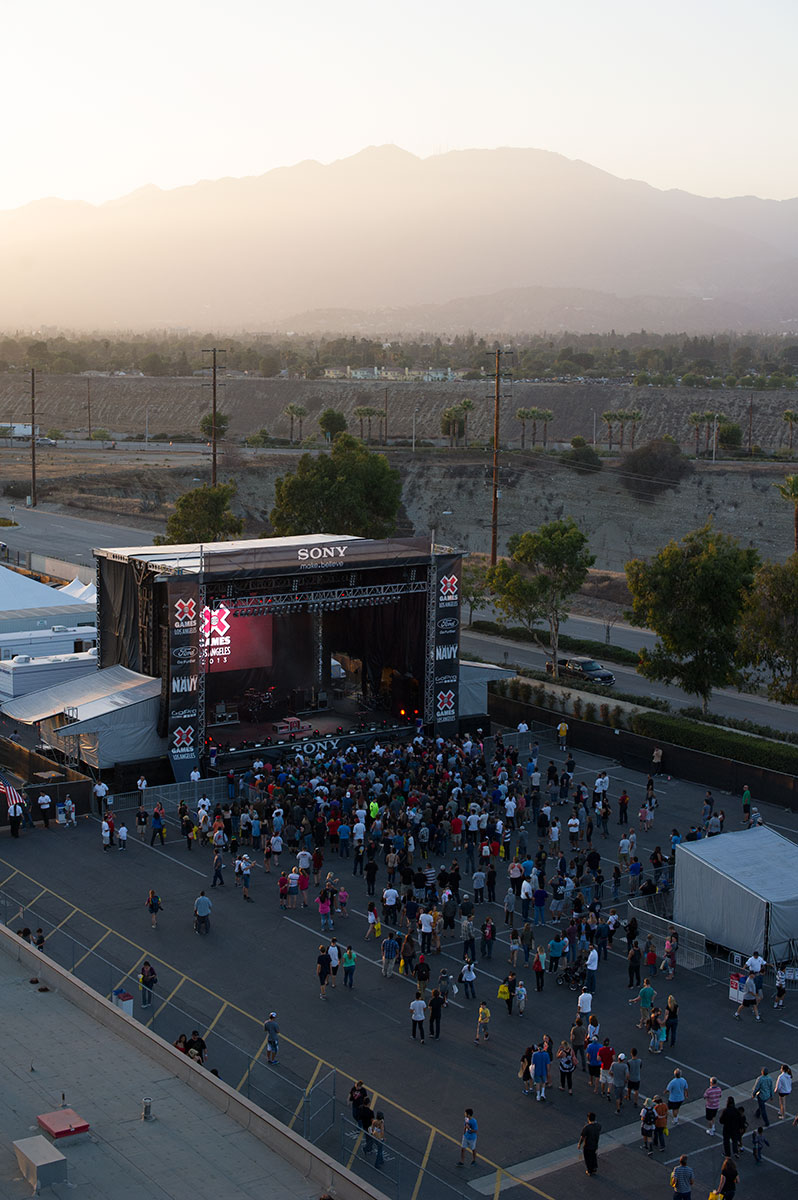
point(489, 240)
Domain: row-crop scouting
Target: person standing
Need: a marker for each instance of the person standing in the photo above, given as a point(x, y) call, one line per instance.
point(591, 969)
point(682, 1179)
point(334, 951)
point(729, 1175)
point(272, 1031)
point(468, 974)
point(158, 830)
point(763, 1091)
point(711, 1104)
point(218, 865)
point(541, 1072)
point(648, 1123)
point(677, 1090)
point(142, 817)
point(349, 961)
point(483, 1022)
point(620, 1080)
point(14, 817)
point(731, 1125)
point(783, 1088)
point(202, 913)
point(562, 735)
point(470, 1134)
point(69, 812)
point(323, 968)
point(567, 1065)
point(147, 980)
point(377, 1132)
point(418, 1008)
point(436, 1005)
point(589, 1142)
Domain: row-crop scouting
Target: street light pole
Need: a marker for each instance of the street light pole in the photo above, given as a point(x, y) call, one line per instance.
point(33, 437)
point(415, 413)
point(494, 525)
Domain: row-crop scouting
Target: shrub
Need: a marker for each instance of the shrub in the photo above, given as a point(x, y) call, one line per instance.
point(725, 743)
point(590, 712)
point(577, 707)
point(581, 458)
point(653, 467)
point(604, 713)
point(730, 435)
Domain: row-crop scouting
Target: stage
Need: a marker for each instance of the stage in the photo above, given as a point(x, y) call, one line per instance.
point(282, 637)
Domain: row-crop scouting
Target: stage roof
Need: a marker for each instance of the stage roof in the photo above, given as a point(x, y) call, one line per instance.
point(258, 555)
point(103, 691)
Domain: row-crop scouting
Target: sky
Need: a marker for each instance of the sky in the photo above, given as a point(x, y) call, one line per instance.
point(101, 98)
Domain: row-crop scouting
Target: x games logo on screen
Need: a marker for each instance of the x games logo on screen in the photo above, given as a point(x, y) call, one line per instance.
point(215, 621)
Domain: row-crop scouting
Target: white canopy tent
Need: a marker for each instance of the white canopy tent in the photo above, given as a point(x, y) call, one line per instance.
point(111, 716)
point(80, 591)
point(741, 891)
point(19, 591)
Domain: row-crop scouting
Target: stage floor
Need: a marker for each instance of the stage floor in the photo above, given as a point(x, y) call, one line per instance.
point(346, 716)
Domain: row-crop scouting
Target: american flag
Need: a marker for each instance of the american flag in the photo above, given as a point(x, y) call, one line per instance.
point(10, 792)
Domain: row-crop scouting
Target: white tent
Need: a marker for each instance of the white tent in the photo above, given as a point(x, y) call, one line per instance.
point(73, 588)
point(111, 716)
point(741, 891)
point(18, 591)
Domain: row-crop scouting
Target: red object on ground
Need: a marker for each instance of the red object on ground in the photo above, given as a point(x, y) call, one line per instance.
point(64, 1122)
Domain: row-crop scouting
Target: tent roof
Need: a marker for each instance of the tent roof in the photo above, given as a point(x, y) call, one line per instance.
point(92, 695)
point(20, 592)
point(474, 672)
point(759, 859)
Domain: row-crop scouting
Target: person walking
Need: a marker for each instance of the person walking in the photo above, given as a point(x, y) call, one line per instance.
point(729, 1175)
point(349, 961)
point(153, 906)
point(648, 1123)
point(202, 913)
point(377, 1133)
point(567, 1065)
point(147, 981)
point(645, 999)
point(323, 968)
point(712, 1096)
point(418, 1009)
point(541, 1072)
point(469, 1139)
point(763, 1091)
point(620, 1080)
point(272, 1031)
point(468, 974)
point(783, 1089)
point(483, 1022)
point(682, 1179)
point(158, 830)
point(676, 1090)
point(218, 865)
point(589, 1142)
point(750, 998)
point(671, 1019)
point(390, 953)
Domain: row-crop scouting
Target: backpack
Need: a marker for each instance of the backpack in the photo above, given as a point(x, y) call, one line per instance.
point(648, 1118)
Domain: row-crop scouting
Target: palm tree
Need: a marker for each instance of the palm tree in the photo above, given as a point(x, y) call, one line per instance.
point(545, 415)
point(790, 416)
point(789, 491)
point(466, 406)
point(523, 415)
point(635, 415)
point(361, 413)
point(609, 418)
point(623, 416)
point(300, 412)
point(371, 413)
point(696, 419)
point(292, 411)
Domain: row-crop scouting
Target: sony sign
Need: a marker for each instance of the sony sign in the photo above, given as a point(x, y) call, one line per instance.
point(318, 552)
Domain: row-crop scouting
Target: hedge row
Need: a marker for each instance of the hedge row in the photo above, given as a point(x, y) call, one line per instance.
point(681, 731)
point(595, 689)
point(585, 646)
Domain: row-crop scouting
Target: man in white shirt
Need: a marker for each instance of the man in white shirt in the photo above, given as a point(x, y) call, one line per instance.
point(45, 804)
point(756, 965)
point(584, 1004)
point(573, 830)
point(523, 727)
point(591, 967)
point(418, 1009)
point(195, 776)
point(100, 794)
point(304, 860)
point(204, 803)
point(141, 783)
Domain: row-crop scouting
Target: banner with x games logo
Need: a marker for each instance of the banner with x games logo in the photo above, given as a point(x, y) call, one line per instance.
point(447, 644)
point(183, 670)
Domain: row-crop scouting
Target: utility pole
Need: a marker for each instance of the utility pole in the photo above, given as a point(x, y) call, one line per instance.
point(33, 437)
point(497, 395)
point(88, 404)
point(386, 417)
point(750, 422)
point(213, 352)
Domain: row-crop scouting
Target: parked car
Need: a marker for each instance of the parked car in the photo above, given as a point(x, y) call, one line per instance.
point(583, 668)
point(45, 441)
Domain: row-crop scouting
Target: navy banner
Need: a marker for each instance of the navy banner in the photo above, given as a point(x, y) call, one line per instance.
point(183, 671)
point(447, 644)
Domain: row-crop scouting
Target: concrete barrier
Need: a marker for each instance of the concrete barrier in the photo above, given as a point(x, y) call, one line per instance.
point(323, 1171)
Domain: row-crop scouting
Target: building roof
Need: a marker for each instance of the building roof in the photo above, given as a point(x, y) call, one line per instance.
point(91, 696)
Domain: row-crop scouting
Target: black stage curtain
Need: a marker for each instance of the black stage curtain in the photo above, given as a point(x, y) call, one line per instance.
point(118, 607)
point(385, 635)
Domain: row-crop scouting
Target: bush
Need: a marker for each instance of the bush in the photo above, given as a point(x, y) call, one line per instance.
point(593, 689)
point(653, 467)
point(730, 435)
point(694, 735)
point(581, 458)
point(745, 726)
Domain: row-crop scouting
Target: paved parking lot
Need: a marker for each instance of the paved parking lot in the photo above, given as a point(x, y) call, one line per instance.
point(258, 957)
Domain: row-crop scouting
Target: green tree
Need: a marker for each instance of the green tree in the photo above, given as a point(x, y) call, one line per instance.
point(523, 415)
point(730, 435)
point(634, 416)
point(466, 406)
point(259, 439)
point(790, 416)
point(696, 419)
point(100, 435)
point(474, 588)
point(609, 418)
point(360, 413)
point(350, 490)
point(300, 412)
point(788, 490)
point(546, 416)
point(581, 457)
point(769, 630)
point(56, 434)
point(691, 594)
point(545, 569)
point(202, 515)
point(331, 421)
point(294, 412)
point(453, 424)
point(222, 425)
point(154, 364)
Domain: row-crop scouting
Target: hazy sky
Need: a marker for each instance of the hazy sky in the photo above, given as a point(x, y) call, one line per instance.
point(99, 98)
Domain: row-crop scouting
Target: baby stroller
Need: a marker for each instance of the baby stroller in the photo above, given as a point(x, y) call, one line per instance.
point(574, 975)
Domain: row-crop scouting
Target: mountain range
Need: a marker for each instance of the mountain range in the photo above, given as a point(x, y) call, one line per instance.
point(507, 240)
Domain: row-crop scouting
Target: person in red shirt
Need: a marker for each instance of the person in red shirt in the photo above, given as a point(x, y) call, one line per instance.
point(457, 832)
point(606, 1056)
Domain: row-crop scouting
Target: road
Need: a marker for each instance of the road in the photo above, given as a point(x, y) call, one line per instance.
point(725, 702)
point(70, 538)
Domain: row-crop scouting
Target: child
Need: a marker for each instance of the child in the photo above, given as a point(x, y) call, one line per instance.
point(123, 836)
point(343, 899)
point(520, 997)
point(759, 1140)
point(781, 987)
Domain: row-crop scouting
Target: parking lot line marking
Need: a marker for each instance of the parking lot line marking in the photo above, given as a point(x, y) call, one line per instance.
point(10, 877)
point(423, 1167)
point(163, 1005)
point(694, 1070)
point(298, 1108)
point(788, 1023)
point(289, 1041)
point(88, 952)
point(67, 918)
point(773, 1163)
point(353, 1155)
point(250, 1064)
point(212, 1025)
point(751, 1049)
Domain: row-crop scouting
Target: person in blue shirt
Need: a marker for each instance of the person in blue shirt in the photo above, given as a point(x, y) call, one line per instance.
point(593, 1063)
point(344, 833)
point(677, 1093)
point(541, 1072)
